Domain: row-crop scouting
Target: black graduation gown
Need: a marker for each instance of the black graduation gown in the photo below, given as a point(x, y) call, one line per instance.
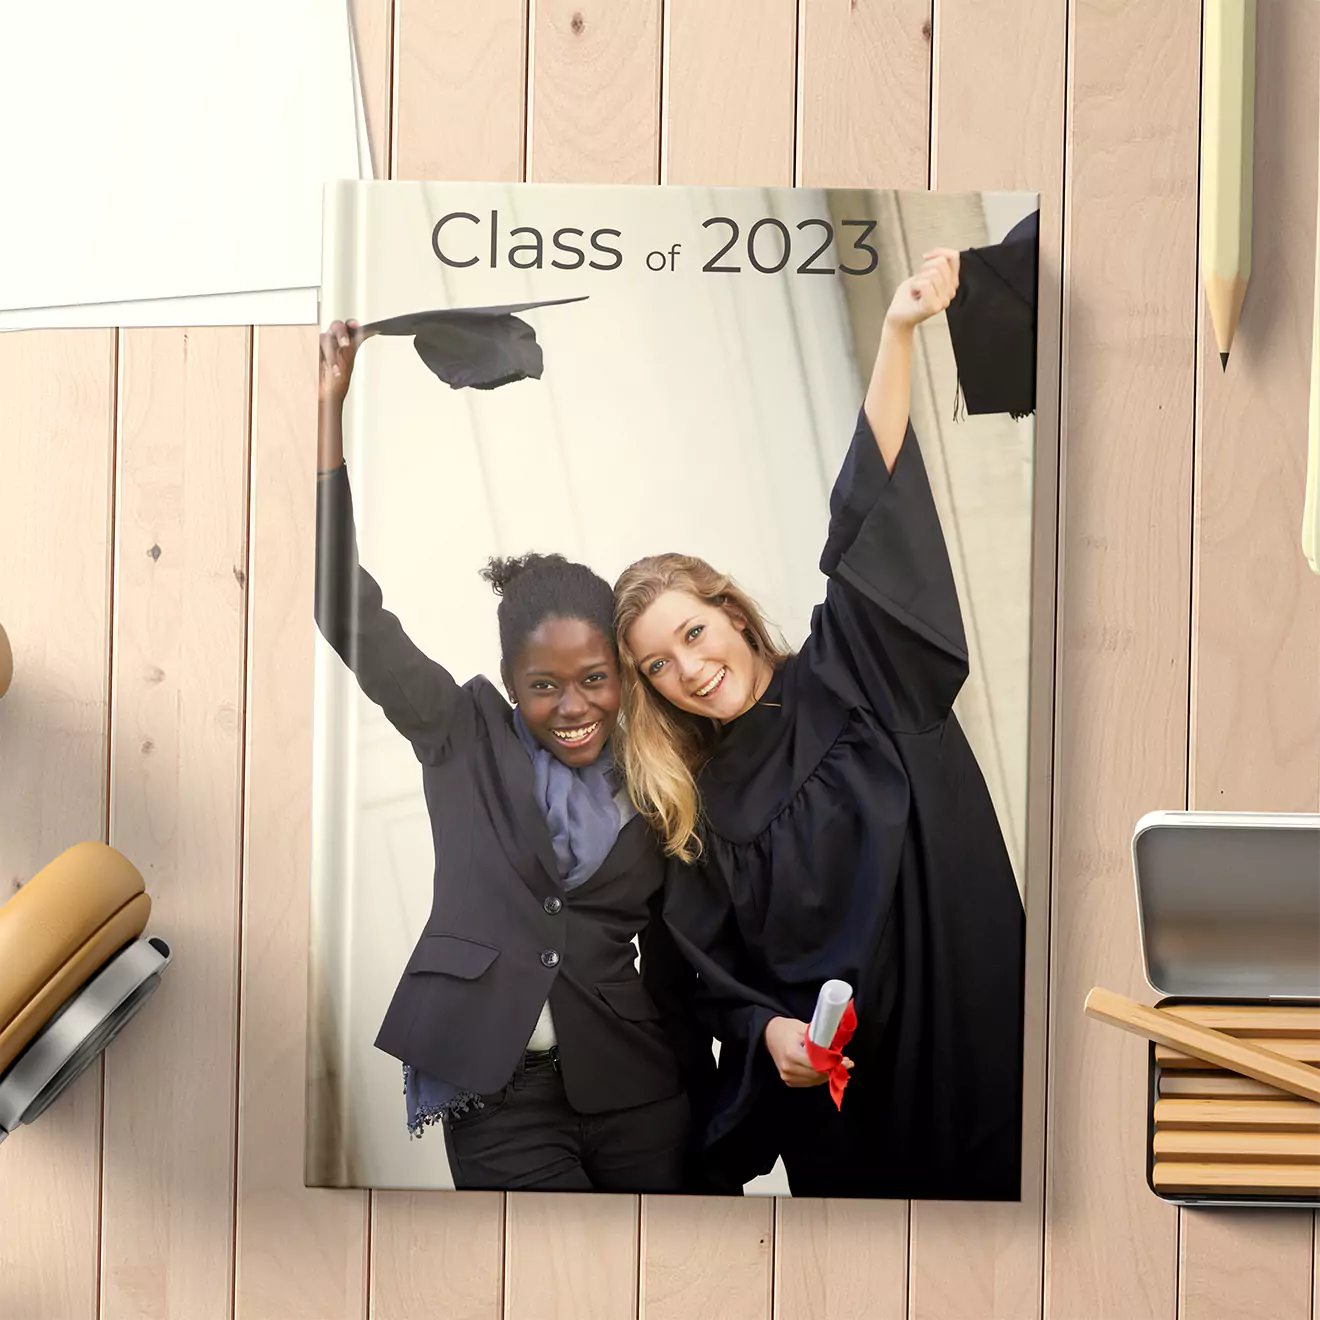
point(849, 833)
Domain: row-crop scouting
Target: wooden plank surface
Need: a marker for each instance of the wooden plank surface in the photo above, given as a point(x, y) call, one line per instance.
point(56, 527)
point(967, 1259)
point(175, 809)
point(1124, 599)
point(299, 1255)
point(1138, 685)
point(459, 89)
point(570, 1257)
point(423, 1241)
point(864, 93)
point(593, 113)
point(1255, 708)
point(731, 65)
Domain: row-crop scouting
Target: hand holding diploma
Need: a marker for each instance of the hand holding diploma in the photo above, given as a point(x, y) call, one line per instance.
point(787, 1041)
point(832, 1026)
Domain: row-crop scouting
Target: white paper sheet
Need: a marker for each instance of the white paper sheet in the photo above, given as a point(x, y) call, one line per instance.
point(831, 1003)
point(261, 307)
point(156, 150)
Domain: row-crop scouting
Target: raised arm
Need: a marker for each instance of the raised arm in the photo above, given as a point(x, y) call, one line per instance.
point(417, 696)
point(889, 395)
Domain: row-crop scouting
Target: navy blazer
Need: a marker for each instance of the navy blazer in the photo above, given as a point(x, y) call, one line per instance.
point(504, 934)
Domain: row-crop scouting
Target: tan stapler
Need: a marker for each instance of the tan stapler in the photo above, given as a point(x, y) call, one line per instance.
point(74, 967)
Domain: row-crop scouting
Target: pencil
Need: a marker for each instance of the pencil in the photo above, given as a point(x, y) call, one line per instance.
point(1250, 1020)
point(1258, 1147)
point(1217, 1086)
point(1240, 1115)
point(1310, 542)
point(1227, 126)
point(1248, 1179)
point(1305, 1050)
point(1213, 1046)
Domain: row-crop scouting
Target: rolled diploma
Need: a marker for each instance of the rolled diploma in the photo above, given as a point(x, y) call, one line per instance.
point(830, 1003)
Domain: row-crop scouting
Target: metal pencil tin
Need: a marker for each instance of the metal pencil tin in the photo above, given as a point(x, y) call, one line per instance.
point(1228, 905)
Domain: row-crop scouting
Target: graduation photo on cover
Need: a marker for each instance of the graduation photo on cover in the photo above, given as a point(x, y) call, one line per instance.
point(673, 612)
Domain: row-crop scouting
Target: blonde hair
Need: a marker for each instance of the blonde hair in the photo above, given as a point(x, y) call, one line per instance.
point(666, 747)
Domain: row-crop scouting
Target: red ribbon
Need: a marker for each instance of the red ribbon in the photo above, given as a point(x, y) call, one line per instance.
point(831, 1060)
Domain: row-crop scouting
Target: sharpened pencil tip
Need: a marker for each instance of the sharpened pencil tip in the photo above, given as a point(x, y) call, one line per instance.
point(1223, 361)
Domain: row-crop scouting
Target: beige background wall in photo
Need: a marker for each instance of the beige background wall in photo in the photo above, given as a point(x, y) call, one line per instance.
point(155, 530)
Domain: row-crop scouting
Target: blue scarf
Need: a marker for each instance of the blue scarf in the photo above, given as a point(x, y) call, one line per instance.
point(584, 821)
point(578, 805)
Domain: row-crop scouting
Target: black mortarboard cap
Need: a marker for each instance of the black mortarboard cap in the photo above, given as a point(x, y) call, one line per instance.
point(480, 348)
point(992, 322)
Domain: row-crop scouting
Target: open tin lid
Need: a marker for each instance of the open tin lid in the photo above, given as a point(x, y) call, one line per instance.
point(1229, 903)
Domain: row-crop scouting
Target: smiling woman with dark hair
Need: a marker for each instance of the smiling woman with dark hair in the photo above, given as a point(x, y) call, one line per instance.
point(521, 1020)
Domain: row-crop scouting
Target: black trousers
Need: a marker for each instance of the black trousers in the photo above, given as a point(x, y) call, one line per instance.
point(526, 1136)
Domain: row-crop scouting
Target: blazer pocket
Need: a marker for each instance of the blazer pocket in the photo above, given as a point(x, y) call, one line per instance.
point(629, 1000)
point(452, 955)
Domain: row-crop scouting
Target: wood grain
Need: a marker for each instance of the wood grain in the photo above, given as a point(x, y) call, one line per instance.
point(56, 527)
point(1152, 706)
point(1294, 1020)
point(373, 30)
point(1209, 1086)
point(420, 1243)
point(1215, 1146)
point(754, 109)
point(707, 1256)
point(1122, 678)
point(175, 809)
point(1255, 710)
point(849, 1256)
point(571, 1257)
point(594, 108)
point(863, 93)
point(299, 1254)
point(459, 89)
point(1262, 1115)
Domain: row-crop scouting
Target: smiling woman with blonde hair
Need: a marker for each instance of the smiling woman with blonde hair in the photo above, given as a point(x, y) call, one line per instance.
point(843, 830)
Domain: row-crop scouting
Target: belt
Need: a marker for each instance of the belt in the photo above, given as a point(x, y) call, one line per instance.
point(540, 1060)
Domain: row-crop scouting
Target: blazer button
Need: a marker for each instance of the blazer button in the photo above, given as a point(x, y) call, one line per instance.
point(553, 904)
point(550, 957)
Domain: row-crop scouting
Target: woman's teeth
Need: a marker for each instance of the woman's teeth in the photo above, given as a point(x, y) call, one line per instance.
point(713, 684)
point(576, 735)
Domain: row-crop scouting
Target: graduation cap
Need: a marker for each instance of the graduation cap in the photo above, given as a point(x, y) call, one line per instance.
point(477, 347)
point(992, 322)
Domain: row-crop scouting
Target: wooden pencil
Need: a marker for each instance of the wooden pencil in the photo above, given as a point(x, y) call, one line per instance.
point(1213, 1145)
point(1214, 1047)
point(1227, 129)
point(1253, 1020)
point(1218, 1085)
point(1311, 497)
point(1304, 1050)
point(1246, 1179)
point(1243, 1115)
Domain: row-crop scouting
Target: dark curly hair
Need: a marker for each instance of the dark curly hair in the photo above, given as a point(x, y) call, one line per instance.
point(533, 588)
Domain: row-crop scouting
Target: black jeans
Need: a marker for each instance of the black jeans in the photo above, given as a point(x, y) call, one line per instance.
point(527, 1136)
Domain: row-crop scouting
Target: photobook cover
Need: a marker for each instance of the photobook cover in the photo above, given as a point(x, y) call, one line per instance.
point(673, 603)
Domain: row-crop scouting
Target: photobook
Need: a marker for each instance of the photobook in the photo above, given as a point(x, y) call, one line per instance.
point(672, 611)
